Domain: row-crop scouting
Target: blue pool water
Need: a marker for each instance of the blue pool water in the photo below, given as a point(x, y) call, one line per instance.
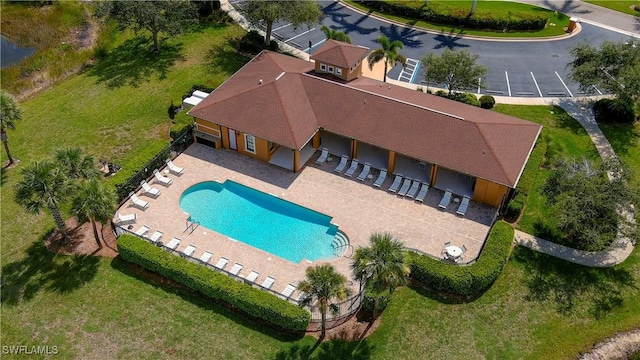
point(261, 220)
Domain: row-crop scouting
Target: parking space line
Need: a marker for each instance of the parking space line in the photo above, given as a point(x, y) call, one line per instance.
point(535, 82)
point(598, 90)
point(508, 86)
point(303, 33)
point(565, 85)
point(282, 27)
point(314, 45)
point(407, 73)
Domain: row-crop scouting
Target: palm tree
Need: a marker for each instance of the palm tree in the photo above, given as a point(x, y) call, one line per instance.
point(382, 265)
point(388, 52)
point(324, 284)
point(76, 164)
point(9, 112)
point(95, 202)
point(335, 34)
point(43, 184)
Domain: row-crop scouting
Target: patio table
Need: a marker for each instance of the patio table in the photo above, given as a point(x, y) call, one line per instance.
point(453, 251)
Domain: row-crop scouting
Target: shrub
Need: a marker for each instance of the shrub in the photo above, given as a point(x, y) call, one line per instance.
point(467, 98)
point(466, 280)
point(253, 42)
point(614, 111)
point(450, 16)
point(487, 101)
point(182, 123)
point(215, 285)
point(128, 178)
point(369, 301)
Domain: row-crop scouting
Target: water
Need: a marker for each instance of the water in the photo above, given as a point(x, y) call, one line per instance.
point(266, 222)
point(11, 54)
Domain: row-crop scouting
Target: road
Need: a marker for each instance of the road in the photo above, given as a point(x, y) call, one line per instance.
point(531, 68)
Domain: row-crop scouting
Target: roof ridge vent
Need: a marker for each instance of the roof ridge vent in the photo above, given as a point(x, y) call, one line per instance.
point(279, 76)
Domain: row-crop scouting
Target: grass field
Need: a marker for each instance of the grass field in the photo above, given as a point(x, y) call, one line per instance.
point(617, 5)
point(564, 137)
point(100, 308)
point(560, 21)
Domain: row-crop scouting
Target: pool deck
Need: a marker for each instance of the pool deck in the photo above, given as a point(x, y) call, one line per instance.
point(358, 208)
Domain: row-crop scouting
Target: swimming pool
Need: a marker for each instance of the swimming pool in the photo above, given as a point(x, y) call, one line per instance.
point(264, 221)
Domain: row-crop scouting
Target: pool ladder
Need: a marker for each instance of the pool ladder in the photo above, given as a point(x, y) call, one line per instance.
point(191, 224)
point(341, 245)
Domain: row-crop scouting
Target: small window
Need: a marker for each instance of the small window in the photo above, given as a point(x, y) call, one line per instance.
point(338, 71)
point(323, 67)
point(330, 69)
point(250, 143)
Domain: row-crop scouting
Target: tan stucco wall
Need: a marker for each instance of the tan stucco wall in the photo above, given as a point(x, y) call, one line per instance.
point(489, 192)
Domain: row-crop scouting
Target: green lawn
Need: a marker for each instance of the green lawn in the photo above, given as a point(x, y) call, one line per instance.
point(563, 136)
point(618, 5)
point(101, 308)
point(559, 21)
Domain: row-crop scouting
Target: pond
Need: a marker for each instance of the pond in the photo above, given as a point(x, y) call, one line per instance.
point(11, 53)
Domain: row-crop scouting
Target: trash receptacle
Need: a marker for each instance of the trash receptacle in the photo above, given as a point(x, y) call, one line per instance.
point(572, 24)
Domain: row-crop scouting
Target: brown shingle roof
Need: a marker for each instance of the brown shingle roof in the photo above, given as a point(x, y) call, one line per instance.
point(289, 110)
point(339, 53)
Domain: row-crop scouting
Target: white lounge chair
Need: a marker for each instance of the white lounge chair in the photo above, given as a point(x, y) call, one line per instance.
point(342, 164)
point(253, 275)
point(142, 230)
point(405, 187)
point(206, 256)
point(148, 190)
point(268, 282)
point(396, 183)
point(126, 218)
point(464, 204)
point(173, 168)
point(173, 243)
point(414, 189)
point(323, 156)
point(423, 192)
point(381, 178)
point(161, 178)
point(288, 291)
point(222, 263)
point(189, 250)
point(352, 167)
point(136, 201)
point(446, 199)
point(365, 172)
point(235, 270)
point(157, 235)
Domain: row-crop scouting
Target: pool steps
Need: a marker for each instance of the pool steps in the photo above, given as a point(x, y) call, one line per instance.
point(341, 244)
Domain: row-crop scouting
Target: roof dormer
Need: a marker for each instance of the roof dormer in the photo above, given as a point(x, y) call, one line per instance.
point(340, 59)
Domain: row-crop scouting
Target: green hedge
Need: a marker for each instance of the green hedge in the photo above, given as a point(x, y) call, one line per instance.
point(182, 123)
point(466, 280)
point(515, 206)
point(256, 303)
point(480, 20)
point(128, 178)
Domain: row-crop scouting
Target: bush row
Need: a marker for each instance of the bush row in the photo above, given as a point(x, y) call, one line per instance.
point(479, 20)
point(466, 280)
point(128, 178)
point(515, 206)
point(463, 97)
point(212, 284)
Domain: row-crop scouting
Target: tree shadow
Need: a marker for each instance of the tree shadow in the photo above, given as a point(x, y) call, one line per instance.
point(42, 270)
point(406, 35)
point(345, 22)
point(449, 40)
point(221, 60)
point(4, 176)
point(133, 62)
point(199, 300)
point(564, 7)
point(573, 288)
point(622, 137)
point(328, 350)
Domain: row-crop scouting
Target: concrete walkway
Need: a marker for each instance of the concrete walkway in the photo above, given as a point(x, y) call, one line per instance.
point(578, 108)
